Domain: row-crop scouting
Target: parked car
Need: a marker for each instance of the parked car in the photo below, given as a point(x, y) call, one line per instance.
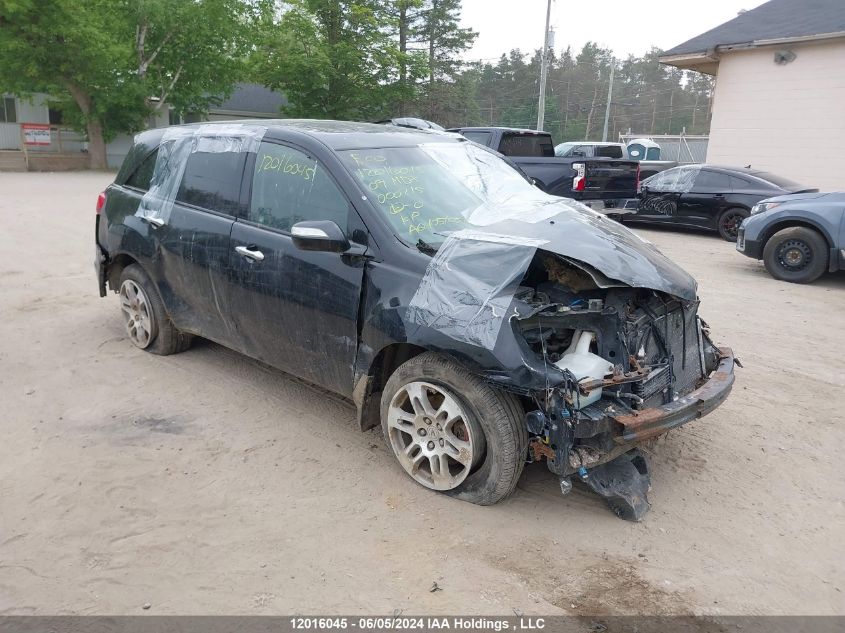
point(708, 196)
point(604, 184)
point(475, 318)
point(798, 237)
point(645, 151)
point(590, 149)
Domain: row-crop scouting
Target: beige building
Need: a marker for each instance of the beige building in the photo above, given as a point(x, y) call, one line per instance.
point(779, 102)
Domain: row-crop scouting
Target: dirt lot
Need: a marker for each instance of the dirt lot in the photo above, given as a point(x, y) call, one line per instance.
point(208, 483)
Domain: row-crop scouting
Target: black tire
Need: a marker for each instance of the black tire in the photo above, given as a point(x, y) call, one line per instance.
point(797, 254)
point(498, 415)
point(164, 338)
point(729, 221)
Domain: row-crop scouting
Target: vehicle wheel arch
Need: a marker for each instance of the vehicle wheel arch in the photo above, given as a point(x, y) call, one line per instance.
point(117, 264)
point(369, 386)
point(789, 223)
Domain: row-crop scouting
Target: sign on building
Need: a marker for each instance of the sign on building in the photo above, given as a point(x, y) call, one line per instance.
point(35, 133)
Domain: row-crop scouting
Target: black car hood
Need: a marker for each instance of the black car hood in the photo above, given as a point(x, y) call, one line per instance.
point(576, 232)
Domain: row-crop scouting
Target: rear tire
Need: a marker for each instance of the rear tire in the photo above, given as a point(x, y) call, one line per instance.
point(482, 442)
point(147, 324)
point(729, 221)
point(798, 255)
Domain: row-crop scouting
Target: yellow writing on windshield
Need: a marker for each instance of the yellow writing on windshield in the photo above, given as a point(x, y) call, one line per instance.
point(400, 191)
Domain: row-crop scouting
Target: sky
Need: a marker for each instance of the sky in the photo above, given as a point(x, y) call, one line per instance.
point(624, 26)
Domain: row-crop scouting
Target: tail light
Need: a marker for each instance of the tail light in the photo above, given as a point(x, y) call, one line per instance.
point(101, 201)
point(638, 176)
point(579, 183)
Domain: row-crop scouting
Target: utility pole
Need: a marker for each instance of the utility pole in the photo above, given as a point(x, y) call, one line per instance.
point(544, 69)
point(609, 95)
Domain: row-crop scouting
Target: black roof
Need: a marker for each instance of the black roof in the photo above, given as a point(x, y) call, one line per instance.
point(773, 20)
point(253, 99)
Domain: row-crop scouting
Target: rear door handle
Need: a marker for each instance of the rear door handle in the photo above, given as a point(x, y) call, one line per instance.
point(246, 252)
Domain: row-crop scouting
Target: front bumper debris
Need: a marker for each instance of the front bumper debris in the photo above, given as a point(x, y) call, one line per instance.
point(613, 467)
point(648, 423)
point(624, 483)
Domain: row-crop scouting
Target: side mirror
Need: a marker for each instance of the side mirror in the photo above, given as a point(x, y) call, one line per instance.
point(319, 235)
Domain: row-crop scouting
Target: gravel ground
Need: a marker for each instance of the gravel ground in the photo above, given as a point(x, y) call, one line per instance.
point(208, 483)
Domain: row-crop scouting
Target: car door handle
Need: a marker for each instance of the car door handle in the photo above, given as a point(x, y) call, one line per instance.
point(718, 196)
point(246, 252)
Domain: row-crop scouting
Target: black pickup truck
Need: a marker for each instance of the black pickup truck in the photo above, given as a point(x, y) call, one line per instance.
point(605, 184)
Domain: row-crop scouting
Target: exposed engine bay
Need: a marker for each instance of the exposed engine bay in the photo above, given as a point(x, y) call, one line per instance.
point(622, 351)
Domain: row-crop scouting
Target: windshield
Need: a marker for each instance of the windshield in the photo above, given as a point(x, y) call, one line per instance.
point(430, 190)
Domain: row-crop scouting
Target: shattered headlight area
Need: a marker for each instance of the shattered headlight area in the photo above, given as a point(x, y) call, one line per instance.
point(611, 352)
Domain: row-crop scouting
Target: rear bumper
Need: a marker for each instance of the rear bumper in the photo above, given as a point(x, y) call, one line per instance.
point(648, 423)
point(615, 206)
point(100, 267)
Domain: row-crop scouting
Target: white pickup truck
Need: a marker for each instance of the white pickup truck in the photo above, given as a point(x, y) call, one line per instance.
point(646, 151)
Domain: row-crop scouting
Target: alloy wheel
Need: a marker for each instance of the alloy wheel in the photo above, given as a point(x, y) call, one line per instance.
point(430, 435)
point(137, 314)
point(731, 222)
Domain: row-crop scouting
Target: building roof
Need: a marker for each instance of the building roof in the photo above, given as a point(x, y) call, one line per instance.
point(248, 98)
point(776, 20)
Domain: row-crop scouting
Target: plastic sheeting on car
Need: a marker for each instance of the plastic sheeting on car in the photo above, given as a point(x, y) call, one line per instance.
point(468, 287)
point(179, 142)
point(677, 180)
point(504, 192)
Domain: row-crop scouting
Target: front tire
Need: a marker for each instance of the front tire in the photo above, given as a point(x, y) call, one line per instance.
point(729, 221)
point(147, 324)
point(796, 254)
point(451, 431)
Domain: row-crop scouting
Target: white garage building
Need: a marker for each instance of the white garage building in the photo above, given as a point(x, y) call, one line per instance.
point(779, 101)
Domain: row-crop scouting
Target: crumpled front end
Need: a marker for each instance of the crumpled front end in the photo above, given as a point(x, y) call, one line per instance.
point(594, 328)
point(645, 365)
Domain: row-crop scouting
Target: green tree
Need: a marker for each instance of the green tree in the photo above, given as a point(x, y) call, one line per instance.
point(444, 41)
point(117, 62)
point(332, 58)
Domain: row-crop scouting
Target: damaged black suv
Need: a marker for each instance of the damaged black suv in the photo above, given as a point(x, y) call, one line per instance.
point(481, 322)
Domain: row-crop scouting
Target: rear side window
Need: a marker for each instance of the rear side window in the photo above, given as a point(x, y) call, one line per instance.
point(288, 187)
point(482, 138)
point(711, 181)
point(212, 181)
point(527, 145)
point(143, 174)
point(738, 184)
